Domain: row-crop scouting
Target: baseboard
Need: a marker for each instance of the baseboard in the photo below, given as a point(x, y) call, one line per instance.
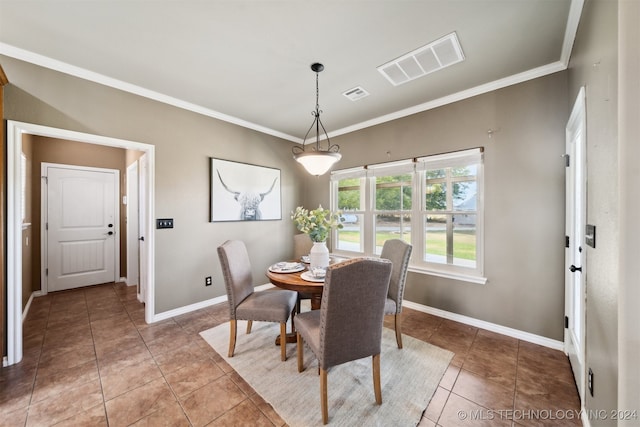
point(515, 333)
point(28, 306)
point(202, 304)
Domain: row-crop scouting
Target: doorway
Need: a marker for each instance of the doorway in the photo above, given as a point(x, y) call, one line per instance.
point(15, 132)
point(575, 260)
point(80, 226)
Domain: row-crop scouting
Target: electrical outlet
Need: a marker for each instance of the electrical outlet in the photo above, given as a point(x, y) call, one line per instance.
point(207, 281)
point(590, 381)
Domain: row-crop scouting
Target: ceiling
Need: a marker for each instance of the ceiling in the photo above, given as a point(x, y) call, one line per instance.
point(248, 62)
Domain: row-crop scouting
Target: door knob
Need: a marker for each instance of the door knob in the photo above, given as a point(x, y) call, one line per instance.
point(110, 233)
point(573, 269)
point(110, 225)
point(141, 238)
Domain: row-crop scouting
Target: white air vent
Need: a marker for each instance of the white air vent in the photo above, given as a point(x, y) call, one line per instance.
point(356, 93)
point(424, 60)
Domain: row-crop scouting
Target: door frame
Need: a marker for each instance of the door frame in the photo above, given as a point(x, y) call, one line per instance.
point(15, 131)
point(576, 125)
point(133, 233)
point(44, 218)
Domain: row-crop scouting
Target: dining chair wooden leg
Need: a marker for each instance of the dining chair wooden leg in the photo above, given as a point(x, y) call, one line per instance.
point(398, 327)
point(323, 396)
point(293, 324)
point(300, 351)
point(232, 336)
point(376, 378)
point(283, 341)
point(249, 324)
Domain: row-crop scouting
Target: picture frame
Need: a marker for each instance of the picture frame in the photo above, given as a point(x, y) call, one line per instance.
point(244, 192)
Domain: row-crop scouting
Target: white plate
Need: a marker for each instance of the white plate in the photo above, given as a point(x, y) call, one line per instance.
point(311, 278)
point(305, 259)
point(286, 267)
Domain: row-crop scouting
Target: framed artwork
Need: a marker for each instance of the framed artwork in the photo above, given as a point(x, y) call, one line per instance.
point(244, 192)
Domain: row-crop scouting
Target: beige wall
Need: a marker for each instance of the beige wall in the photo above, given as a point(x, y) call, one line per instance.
point(594, 64)
point(184, 142)
point(524, 198)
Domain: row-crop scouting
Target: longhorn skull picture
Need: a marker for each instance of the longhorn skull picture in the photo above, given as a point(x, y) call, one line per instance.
point(248, 185)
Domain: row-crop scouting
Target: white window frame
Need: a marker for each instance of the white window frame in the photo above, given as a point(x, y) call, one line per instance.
point(418, 168)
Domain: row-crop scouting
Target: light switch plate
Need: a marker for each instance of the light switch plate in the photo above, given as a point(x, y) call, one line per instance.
point(164, 223)
point(590, 235)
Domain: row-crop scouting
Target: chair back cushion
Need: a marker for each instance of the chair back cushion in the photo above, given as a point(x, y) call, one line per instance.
point(398, 252)
point(236, 269)
point(302, 245)
point(352, 310)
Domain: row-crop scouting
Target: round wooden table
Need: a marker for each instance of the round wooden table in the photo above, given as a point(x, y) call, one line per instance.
point(293, 282)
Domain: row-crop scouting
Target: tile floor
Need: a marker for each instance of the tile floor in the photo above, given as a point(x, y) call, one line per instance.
point(90, 360)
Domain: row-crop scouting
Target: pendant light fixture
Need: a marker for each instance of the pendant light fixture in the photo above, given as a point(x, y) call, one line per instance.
point(317, 161)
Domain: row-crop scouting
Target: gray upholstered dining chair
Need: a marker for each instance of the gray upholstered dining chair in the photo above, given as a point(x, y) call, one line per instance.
point(302, 245)
point(244, 303)
point(398, 252)
point(348, 325)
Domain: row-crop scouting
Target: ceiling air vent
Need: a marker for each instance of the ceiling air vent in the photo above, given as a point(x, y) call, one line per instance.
point(424, 60)
point(356, 93)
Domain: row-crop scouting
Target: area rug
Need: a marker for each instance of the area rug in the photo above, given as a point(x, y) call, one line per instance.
point(409, 378)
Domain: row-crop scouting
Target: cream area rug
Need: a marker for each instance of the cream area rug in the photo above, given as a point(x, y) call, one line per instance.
point(409, 378)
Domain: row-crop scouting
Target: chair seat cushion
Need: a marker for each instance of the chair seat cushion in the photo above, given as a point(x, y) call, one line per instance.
point(267, 306)
point(390, 306)
point(308, 325)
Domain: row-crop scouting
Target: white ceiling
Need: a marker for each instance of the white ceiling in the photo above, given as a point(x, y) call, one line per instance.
point(248, 62)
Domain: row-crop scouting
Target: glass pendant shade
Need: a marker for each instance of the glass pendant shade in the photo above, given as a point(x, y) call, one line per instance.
point(317, 162)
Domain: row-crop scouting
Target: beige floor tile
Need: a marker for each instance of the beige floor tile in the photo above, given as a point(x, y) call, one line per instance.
point(202, 409)
point(61, 407)
point(128, 377)
point(193, 376)
point(140, 402)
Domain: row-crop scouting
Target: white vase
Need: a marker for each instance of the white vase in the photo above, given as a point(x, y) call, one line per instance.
point(319, 255)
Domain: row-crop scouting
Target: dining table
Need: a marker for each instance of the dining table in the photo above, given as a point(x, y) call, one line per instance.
point(295, 282)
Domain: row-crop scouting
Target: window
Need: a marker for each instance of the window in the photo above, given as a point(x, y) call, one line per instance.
point(350, 200)
point(433, 202)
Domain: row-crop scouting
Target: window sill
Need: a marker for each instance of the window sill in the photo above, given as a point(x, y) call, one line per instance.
point(449, 275)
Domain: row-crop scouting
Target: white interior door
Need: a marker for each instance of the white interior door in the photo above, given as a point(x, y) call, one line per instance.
point(575, 260)
point(81, 226)
point(133, 246)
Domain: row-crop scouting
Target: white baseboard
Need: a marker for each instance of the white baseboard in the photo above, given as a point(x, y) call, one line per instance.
point(197, 306)
point(28, 306)
point(510, 332)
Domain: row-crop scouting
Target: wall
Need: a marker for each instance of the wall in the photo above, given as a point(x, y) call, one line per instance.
point(51, 150)
point(184, 143)
point(524, 198)
point(594, 64)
